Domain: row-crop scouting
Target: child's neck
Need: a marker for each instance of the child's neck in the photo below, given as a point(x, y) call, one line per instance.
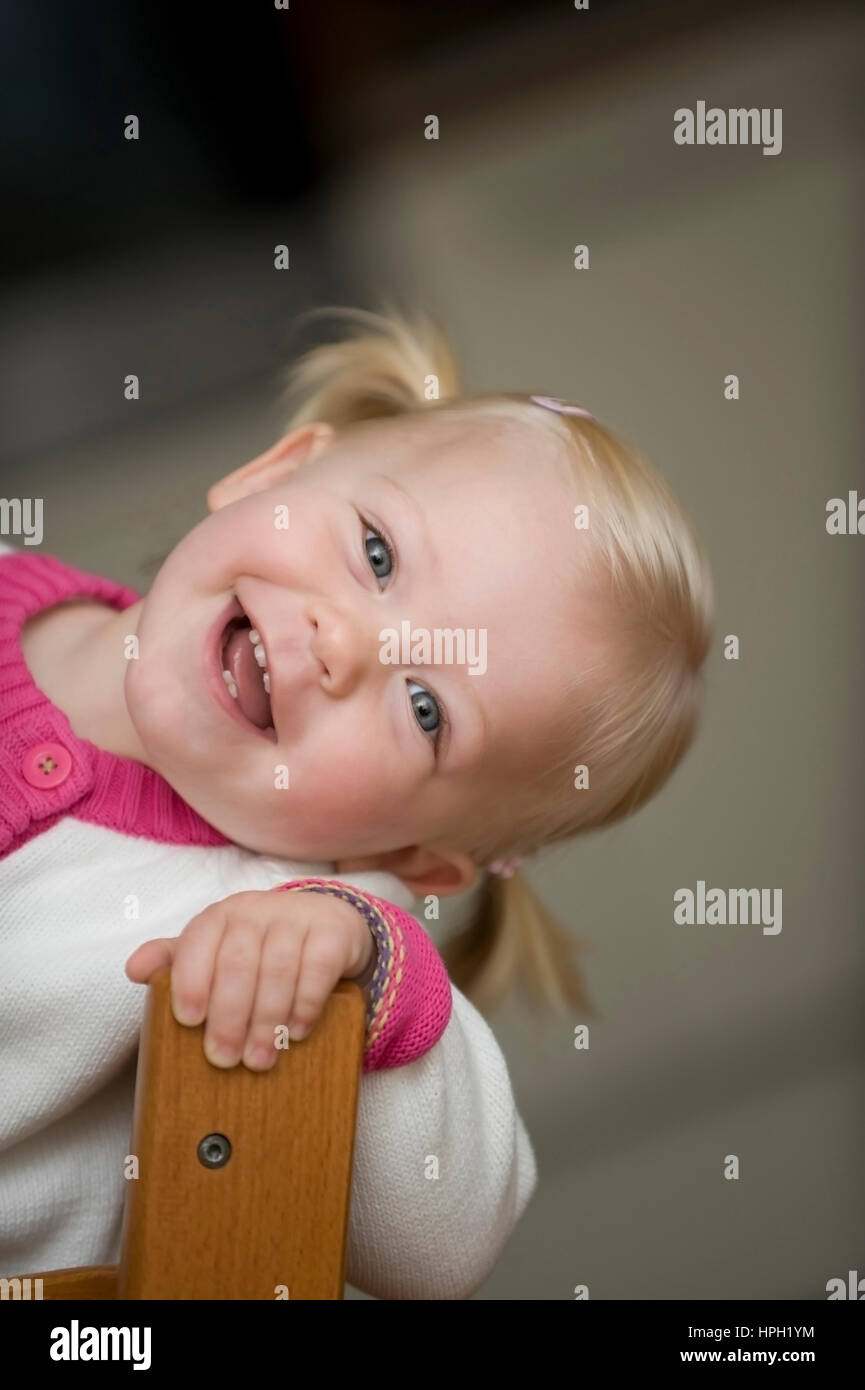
point(75, 654)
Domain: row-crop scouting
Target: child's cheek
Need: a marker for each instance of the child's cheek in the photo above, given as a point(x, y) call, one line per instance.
point(346, 789)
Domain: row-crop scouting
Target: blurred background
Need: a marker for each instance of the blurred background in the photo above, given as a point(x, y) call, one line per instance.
point(306, 127)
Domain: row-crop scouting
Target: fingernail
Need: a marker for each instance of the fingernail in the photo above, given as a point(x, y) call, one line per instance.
point(184, 1015)
point(220, 1056)
point(297, 1032)
point(259, 1057)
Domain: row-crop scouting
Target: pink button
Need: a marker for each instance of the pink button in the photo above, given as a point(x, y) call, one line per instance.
point(46, 765)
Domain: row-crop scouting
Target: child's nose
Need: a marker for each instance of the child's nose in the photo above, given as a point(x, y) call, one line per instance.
point(346, 647)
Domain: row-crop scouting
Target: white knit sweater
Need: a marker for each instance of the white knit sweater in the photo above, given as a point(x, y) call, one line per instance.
point(67, 1075)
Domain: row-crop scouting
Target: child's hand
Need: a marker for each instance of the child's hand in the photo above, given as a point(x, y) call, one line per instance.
point(255, 961)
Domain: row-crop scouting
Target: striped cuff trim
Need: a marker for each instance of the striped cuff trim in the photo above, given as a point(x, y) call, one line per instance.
point(381, 992)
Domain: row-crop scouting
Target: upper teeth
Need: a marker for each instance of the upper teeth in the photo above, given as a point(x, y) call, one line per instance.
point(260, 656)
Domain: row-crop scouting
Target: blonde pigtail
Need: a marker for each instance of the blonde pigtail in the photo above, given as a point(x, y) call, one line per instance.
point(392, 364)
point(513, 937)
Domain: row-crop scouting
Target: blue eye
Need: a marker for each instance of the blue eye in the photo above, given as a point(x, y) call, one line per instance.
point(379, 552)
point(429, 714)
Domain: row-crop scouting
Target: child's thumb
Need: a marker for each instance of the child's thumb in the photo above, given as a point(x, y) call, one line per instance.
point(148, 958)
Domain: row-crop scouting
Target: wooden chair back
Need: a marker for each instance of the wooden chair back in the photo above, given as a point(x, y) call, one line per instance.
point(244, 1178)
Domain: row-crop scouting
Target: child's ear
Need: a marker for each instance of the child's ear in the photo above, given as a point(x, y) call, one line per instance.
point(425, 870)
point(281, 459)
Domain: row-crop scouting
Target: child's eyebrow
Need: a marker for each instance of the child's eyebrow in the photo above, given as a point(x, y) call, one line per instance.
point(476, 744)
point(410, 504)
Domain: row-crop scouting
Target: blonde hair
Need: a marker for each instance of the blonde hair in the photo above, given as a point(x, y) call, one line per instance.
point(632, 723)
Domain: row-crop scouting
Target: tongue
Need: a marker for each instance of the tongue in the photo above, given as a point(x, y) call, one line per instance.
point(239, 659)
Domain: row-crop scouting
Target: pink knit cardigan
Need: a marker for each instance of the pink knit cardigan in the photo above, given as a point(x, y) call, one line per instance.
point(47, 772)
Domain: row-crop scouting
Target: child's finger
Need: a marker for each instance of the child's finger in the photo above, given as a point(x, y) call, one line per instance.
point(194, 962)
point(149, 957)
point(232, 993)
point(320, 968)
point(278, 971)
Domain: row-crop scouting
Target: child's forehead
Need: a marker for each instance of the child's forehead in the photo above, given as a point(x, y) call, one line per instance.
point(467, 449)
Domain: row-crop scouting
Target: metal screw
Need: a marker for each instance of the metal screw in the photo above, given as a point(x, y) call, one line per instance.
point(214, 1151)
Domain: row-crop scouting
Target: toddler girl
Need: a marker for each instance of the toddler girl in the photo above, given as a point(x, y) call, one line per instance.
point(251, 725)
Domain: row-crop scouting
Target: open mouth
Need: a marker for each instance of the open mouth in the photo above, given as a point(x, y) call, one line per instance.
point(244, 670)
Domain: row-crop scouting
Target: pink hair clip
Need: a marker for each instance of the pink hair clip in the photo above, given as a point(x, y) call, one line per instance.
point(504, 868)
point(555, 403)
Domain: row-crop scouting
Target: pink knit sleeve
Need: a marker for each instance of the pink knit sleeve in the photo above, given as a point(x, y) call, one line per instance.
point(409, 997)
